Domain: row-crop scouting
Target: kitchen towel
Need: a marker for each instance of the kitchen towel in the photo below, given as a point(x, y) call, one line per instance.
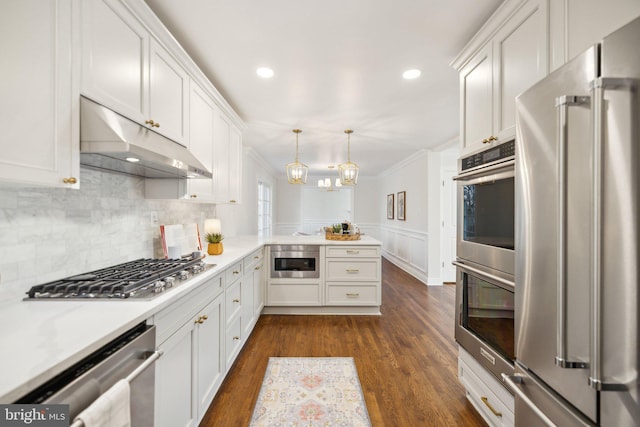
point(112, 409)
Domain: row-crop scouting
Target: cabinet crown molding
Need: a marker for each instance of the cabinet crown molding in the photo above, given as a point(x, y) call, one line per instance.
point(487, 31)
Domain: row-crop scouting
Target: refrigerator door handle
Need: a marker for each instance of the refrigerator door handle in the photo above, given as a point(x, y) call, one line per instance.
point(512, 381)
point(598, 87)
point(562, 104)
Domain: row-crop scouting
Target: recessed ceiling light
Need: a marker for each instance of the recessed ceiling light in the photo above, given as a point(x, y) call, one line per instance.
point(411, 74)
point(265, 72)
point(132, 159)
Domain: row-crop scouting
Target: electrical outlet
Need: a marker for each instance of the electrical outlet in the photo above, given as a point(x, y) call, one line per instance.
point(153, 218)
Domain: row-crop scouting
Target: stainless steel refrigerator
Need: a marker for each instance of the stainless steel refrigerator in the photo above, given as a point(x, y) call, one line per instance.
point(577, 233)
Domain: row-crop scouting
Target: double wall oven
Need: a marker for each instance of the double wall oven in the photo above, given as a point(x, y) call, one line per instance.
point(485, 258)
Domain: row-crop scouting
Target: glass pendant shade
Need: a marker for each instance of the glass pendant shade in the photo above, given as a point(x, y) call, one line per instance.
point(296, 171)
point(348, 172)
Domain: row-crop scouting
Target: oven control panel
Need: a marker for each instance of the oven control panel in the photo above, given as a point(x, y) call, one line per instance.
point(502, 151)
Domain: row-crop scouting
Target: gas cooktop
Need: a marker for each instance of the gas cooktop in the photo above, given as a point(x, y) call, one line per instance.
point(142, 278)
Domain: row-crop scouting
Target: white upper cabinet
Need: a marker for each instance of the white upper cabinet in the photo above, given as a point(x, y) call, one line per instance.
point(126, 69)
point(168, 95)
point(578, 24)
point(115, 58)
point(202, 112)
point(227, 164)
point(39, 142)
point(493, 70)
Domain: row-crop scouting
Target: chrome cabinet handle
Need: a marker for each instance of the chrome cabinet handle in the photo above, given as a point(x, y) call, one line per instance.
point(485, 400)
point(598, 87)
point(562, 104)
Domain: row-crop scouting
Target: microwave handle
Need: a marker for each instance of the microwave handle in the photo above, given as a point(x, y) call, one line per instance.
point(483, 171)
point(562, 104)
point(490, 277)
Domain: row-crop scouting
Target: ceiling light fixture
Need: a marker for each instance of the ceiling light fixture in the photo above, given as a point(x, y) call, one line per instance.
point(326, 182)
point(348, 171)
point(296, 171)
point(265, 72)
point(411, 74)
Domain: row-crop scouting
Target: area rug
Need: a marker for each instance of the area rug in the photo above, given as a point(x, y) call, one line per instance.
point(310, 392)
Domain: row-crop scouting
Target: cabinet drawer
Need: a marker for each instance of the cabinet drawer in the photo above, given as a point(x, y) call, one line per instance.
point(353, 270)
point(233, 300)
point(186, 308)
point(352, 251)
point(234, 273)
point(251, 260)
point(233, 340)
point(487, 395)
point(348, 294)
point(294, 294)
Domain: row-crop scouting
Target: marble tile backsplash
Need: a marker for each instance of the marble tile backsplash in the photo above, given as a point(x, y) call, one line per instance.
point(47, 234)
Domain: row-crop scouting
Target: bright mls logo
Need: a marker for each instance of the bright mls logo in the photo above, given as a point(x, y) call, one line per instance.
point(34, 415)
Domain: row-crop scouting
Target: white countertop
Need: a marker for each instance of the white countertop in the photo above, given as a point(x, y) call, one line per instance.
point(42, 338)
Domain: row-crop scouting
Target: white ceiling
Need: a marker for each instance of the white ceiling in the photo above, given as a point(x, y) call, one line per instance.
point(338, 65)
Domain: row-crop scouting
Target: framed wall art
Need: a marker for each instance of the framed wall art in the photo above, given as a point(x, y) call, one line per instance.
point(401, 206)
point(390, 203)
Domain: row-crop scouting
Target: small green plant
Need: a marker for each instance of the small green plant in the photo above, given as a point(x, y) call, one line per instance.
point(336, 228)
point(214, 237)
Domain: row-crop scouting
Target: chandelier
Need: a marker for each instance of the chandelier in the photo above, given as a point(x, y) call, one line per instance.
point(326, 182)
point(348, 171)
point(296, 171)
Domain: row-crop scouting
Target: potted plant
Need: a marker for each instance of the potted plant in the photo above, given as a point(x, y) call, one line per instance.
point(215, 243)
point(336, 228)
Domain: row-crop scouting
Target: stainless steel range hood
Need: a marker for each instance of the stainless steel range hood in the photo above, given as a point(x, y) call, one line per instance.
point(111, 142)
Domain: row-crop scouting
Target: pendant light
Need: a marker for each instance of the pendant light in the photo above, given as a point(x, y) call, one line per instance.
point(296, 171)
point(348, 171)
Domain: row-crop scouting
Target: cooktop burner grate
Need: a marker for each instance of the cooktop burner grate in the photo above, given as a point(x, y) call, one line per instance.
point(142, 278)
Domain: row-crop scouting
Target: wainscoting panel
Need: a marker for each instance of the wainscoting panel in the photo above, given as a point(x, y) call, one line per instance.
point(407, 249)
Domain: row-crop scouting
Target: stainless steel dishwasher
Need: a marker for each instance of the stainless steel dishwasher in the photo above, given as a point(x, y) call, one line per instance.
point(130, 356)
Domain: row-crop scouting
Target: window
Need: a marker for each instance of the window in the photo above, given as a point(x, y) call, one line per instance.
point(264, 209)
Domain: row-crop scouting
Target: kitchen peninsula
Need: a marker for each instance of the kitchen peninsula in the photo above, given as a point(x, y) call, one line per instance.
point(228, 297)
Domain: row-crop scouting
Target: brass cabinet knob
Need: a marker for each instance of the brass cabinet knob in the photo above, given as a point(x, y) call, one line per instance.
point(232, 201)
point(152, 123)
point(236, 272)
point(258, 267)
point(205, 317)
point(236, 300)
point(70, 180)
point(193, 196)
point(199, 320)
point(484, 141)
point(236, 338)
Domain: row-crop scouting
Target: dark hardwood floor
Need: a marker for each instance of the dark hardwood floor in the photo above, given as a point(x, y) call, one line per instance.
point(406, 358)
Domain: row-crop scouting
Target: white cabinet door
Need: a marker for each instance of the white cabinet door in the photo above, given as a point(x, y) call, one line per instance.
point(175, 402)
point(476, 99)
point(115, 58)
point(248, 313)
point(259, 283)
point(201, 138)
point(235, 165)
point(520, 60)
point(227, 153)
point(210, 355)
point(168, 95)
point(221, 157)
point(39, 96)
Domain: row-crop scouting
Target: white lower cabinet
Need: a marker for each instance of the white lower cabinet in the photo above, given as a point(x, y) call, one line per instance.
point(353, 276)
point(490, 398)
point(192, 366)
